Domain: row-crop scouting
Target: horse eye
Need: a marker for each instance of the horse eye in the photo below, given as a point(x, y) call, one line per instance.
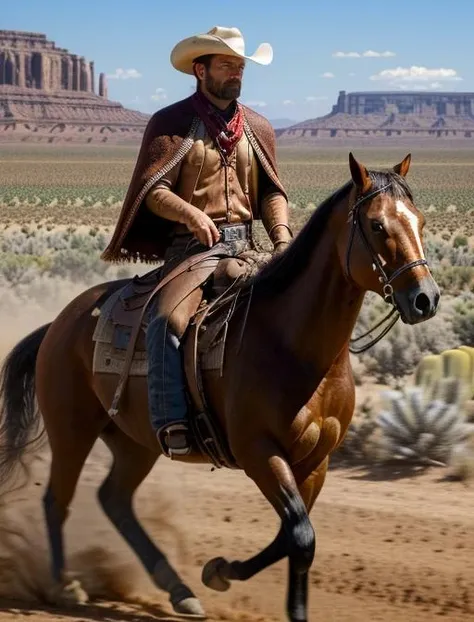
point(376, 225)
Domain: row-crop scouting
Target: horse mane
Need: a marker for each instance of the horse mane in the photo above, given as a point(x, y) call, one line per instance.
point(279, 272)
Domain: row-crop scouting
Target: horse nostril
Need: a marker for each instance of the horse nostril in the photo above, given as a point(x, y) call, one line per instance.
point(422, 303)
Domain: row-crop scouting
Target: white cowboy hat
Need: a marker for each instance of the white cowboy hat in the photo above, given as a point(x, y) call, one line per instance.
point(219, 40)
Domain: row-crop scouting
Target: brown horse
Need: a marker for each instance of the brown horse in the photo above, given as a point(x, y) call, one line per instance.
point(284, 400)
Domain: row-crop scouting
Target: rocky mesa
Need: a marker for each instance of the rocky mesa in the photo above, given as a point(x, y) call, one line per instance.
point(48, 94)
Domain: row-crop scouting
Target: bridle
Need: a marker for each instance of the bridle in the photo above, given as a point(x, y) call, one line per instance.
point(384, 278)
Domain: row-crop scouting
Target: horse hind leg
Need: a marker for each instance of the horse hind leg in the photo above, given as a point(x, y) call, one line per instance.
point(70, 445)
point(131, 465)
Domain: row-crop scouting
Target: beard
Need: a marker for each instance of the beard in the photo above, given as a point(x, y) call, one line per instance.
point(223, 90)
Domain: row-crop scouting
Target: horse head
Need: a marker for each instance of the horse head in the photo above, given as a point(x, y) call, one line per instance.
point(382, 246)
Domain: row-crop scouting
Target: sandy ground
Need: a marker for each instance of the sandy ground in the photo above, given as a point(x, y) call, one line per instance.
point(390, 547)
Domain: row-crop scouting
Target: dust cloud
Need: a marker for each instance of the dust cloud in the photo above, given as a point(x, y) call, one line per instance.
point(96, 555)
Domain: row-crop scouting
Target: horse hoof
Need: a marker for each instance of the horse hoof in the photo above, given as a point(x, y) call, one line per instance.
point(212, 576)
point(191, 608)
point(70, 593)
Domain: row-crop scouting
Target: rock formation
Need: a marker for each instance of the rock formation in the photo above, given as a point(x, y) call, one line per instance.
point(399, 114)
point(49, 94)
point(103, 86)
point(29, 59)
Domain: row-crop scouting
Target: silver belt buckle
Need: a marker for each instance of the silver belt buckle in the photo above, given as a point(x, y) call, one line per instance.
point(233, 233)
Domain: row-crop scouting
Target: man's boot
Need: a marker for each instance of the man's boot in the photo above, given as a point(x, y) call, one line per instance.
point(167, 399)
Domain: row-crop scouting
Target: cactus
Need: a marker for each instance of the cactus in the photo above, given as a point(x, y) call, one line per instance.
point(453, 363)
point(424, 426)
point(451, 390)
point(429, 370)
point(469, 350)
point(457, 363)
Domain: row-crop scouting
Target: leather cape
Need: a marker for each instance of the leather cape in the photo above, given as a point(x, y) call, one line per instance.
point(139, 234)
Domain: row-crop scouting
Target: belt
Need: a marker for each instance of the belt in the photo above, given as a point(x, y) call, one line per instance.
point(230, 233)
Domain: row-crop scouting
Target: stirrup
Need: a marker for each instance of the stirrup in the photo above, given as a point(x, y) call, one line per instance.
point(165, 439)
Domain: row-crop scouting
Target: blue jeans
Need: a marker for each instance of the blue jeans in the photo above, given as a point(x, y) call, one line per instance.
point(167, 395)
point(167, 390)
point(166, 380)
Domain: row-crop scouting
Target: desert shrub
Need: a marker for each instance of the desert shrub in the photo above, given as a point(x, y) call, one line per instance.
point(394, 357)
point(360, 442)
point(463, 319)
point(460, 241)
point(461, 462)
point(422, 425)
point(65, 254)
point(454, 280)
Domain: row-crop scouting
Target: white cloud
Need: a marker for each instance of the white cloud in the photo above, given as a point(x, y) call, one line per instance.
point(159, 95)
point(256, 104)
point(416, 74)
point(352, 74)
point(124, 74)
point(372, 54)
point(346, 54)
point(327, 74)
point(315, 98)
point(288, 102)
point(366, 54)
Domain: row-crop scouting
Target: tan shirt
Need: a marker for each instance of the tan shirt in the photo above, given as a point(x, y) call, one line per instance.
point(228, 192)
point(223, 192)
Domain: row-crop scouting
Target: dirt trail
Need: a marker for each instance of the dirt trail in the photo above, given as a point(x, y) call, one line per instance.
point(395, 551)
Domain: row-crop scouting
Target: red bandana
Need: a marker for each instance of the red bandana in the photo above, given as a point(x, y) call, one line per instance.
point(225, 135)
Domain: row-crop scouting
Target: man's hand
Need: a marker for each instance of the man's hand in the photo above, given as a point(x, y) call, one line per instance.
point(202, 227)
point(165, 203)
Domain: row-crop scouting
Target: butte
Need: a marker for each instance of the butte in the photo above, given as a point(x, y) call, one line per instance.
point(48, 95)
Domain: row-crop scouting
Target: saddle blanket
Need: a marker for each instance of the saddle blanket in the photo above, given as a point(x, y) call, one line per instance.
point(111, 342)
point(111, 338)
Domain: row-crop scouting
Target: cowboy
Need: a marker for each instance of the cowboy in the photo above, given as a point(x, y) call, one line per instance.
point(206, 169)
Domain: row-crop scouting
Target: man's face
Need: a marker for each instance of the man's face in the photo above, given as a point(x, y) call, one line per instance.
point(223, 79)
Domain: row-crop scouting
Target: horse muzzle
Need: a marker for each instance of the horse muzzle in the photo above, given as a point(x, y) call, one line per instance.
point(419, 302)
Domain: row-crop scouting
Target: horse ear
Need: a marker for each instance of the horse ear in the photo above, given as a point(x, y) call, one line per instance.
point(360, 175)
point(402, 168)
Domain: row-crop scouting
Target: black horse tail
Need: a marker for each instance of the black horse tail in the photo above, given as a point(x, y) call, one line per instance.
point(19, 415)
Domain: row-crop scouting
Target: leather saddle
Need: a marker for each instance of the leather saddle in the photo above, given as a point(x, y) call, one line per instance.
point(206, 329)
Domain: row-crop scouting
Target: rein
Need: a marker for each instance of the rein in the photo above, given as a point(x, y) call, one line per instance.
point(377, 265)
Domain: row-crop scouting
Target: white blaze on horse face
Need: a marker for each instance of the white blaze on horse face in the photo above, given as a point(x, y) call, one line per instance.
point(413, 221)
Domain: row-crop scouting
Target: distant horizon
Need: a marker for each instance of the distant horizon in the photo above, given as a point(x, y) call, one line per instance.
point(284, 121)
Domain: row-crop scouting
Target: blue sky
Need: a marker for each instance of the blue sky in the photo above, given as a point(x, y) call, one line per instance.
point(319, 47)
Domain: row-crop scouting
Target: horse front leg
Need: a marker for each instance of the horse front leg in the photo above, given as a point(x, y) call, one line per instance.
point(218, 573)
point(296, 538)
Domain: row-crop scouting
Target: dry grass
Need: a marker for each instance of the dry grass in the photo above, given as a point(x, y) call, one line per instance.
point(87, 185)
